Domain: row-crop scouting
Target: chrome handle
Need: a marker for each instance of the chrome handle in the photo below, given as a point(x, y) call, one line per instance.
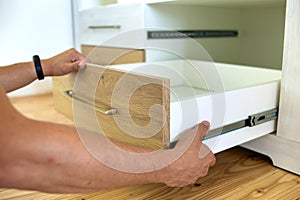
point(70, 93)
point(105, 27)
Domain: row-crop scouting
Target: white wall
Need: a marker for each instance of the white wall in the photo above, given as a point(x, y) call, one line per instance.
point(34, 27)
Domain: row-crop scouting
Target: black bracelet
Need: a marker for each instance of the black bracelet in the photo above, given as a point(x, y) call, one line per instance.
point(38, 67)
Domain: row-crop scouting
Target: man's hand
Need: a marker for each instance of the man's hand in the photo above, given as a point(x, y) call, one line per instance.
point(64, 63)
point(193, 164)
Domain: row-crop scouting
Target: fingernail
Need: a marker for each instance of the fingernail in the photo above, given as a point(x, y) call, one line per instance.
point(81, 65)
point(206, 123)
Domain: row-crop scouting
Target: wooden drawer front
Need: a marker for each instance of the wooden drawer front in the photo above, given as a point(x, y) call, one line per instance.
point(141, 103)
point(134, 97)
point(112, 56)
point(101, 56)
point(102, 23)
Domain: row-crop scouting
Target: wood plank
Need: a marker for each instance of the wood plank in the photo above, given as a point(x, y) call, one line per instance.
point(289, 108)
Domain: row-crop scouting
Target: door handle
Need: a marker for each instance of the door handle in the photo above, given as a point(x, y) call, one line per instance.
point(105, 27)
point(70, 94)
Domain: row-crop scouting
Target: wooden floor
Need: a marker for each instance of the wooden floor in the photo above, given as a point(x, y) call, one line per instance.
point(238, 173)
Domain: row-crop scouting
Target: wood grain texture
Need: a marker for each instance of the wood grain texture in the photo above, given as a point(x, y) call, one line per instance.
point(238, 173)
point(139, 101)
point(62, 103)
point(289, 108)
point(142, 103)
point(98, 55)
point(112, 56)
point(134, 108)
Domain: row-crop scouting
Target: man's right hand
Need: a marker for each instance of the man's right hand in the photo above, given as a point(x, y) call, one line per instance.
point(193, 164)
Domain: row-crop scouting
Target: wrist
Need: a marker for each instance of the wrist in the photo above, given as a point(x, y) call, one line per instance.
point(46, 70)
point(156, 176)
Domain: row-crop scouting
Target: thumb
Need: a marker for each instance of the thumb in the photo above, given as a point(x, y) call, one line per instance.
point(192, 136)
point(83, 62)
point(203, 128)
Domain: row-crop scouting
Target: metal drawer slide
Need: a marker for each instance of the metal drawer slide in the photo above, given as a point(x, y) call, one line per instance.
point(251, 121)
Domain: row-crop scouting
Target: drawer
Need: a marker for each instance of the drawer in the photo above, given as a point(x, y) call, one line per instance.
point(100, 24)
point(112, 56)
point(149, 104)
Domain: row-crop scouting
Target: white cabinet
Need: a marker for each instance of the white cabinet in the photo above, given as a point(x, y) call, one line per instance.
point(100, 24)
point(261, 27)
point(283, 147)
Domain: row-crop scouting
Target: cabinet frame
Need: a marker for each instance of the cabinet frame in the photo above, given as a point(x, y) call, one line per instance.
point(283, 146)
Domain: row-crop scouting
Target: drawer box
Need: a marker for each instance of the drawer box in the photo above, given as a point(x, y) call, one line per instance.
point(149, 104)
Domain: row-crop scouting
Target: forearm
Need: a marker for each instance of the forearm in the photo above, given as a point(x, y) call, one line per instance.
point(17, 75)
point(51, 158)
point(21, 74)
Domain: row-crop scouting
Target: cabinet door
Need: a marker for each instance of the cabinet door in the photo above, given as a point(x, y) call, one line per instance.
point(289, 126)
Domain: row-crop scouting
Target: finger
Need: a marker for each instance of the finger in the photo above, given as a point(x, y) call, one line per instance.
point(207, 156)
point(83, 62)
point(204, 151)
point(76, 56)
point(75, 66)
point(192, 136)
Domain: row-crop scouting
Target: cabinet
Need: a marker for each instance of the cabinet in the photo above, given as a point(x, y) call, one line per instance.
point(177, 85)
point(283, 146)
point(260, 26)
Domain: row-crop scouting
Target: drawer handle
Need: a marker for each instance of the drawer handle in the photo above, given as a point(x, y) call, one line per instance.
point(105, 27)
point(71, 94)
